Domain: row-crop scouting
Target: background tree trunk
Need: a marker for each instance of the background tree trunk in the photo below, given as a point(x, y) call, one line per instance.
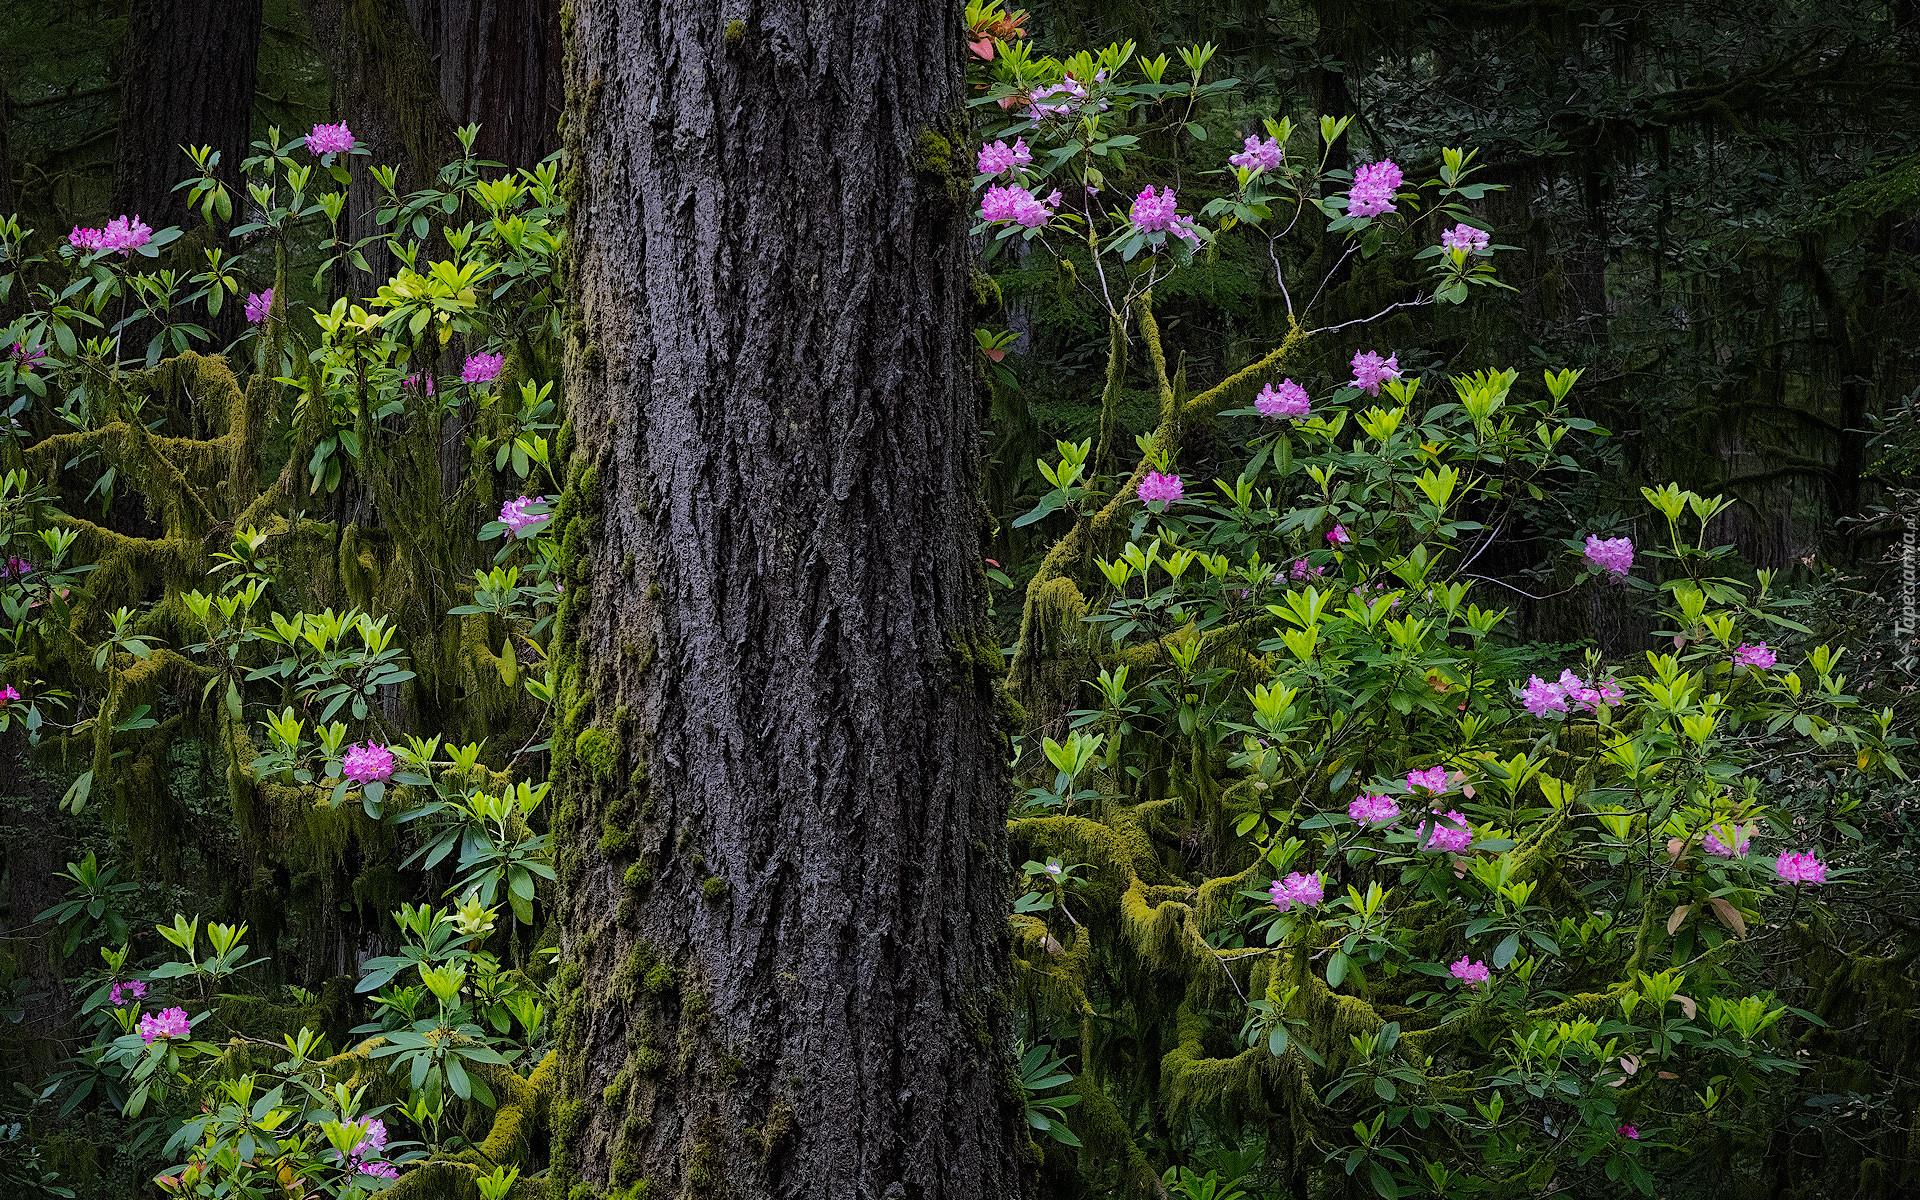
point(781, 833)
point(499, 65)
point(189, 82)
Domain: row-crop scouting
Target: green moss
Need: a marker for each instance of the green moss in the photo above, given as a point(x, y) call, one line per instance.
point(736, 31)
point(659, 979)
point(714, 888)
point(595, 749)
point(648, 1059)
point(638, 874)
point(614, 838)
point(704, 1174)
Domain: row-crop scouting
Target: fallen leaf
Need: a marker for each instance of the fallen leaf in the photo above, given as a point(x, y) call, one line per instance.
point(1687, 1006)
point(1630, 1063)
point(1674, 847)
point(1679, 915)
point(1668, 1075)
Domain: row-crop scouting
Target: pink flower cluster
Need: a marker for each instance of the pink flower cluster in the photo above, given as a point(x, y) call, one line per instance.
point(123, 233)
point(1465, 237)
point(1373, 810)
point(15, 568)
point(1372, 192)
point(1155, 214)
point(1158, 486)
point(259, 305)
point(1741, 835)
point(514, 514)
point(1433, 781)
point(1301, 571)
point(1610, 554)
point(1628, 1131)
point(1000, 158)
point(1287, 400)
point(1800, 869)
point(1452, 838)
point(1469, 972)
point(1068, 87)
point(8, 695)
point(1298, 888)
point(1015, 203)
point(172, 1023)
point(330, 139)
point(1370, 370)
point(1753, 656)
point(419, 379)
point(365, 763)
point(120, 993)
point(1541, 698)
point(375, 1140)
point(1258, 155)
point(482, 368)
point(29, 357)
point(1337, 536)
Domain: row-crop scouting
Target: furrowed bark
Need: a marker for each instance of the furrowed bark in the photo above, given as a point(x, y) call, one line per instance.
point(781, 834)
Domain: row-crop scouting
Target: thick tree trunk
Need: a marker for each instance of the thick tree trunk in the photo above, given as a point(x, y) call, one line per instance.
point(189, 82)
point(781, 833)
point(499, 64)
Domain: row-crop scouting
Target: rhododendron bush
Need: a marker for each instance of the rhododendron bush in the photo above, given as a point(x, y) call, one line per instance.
point(1325, 867)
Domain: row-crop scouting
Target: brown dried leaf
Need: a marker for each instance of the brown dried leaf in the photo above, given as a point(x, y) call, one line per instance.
point(1729, 915)
point(1679, 915)
point(1687, 1006)
point(1674, 847)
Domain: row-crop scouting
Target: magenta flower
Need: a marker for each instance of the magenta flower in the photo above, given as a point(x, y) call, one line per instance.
point(29, 357)
point(1372, 191)
point(379, 1170)
point(85, 239)
point(1015, 203)
point(514, 514)
point(1452, 838)
point(1067, 87)
point(330, 139)
point(1370, 370)
point(1465, 237)
point(1158, 486)
point(482, 368)
point(1154, 213)
point(365, 763)
point(1753, 656)
point(1432, 780)
point(1258, 155)
point(172, 1023)
point(8, 695)
point(419, 379)
point(125, 234)
point(1000, 158)
point(1287, 400)
point(1298, 888)
point(15, 568)
point(1469, 972)
point(259, 305)
point(375, 1140)
point(1338, 536)
point(1740, 835)
point(133, 989)
point(1541, 697)
point(1628, 1131)
point(1373, 810)
point(1799, 869)
point(1614, 555)
point(1301, 570)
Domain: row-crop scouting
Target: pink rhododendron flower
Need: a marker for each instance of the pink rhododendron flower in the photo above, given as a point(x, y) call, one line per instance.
point(172, 1023)
point(1800, 868)
point(1541, 697)
point(1067, 87)
point(1338, 536)
point(379, 1170)
point(85, 239)
point(125, 234)
point(419, 379)
point(514, 514)
point(482, 368)
point(330, 139)
point(365, 762)
point(1370, 370)
point(119, 993)
point(8, 695)
point(1301, 570)
point(1014, 203)
point(1154, 213)
point(1000, 158)
point(1453, 837)
point(1610, 554)
point(1753, 656)
point(1258, 155)
point(1469, 972)
point(1741, 835)
point(1372, 191)
point(1433, 780)
point(29, 357)
point(1373, 810)
point(1297, 888)
point(15, 568)
point(259, 305)
point(1158, 486)
point(1287, 400)
point(1465, 237)
point(1628, 1131)
point(375, 1140)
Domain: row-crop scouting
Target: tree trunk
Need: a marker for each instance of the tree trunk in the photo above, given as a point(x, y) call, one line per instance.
point(781, 833)
point(499, 64)
point(189, 82)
